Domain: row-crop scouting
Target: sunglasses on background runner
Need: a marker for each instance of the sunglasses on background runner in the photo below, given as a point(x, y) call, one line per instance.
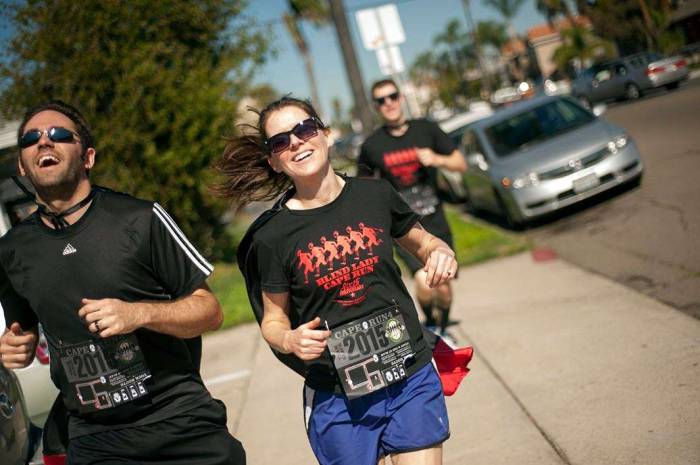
point(55, 134)
point(303, 131)
point(394, 96)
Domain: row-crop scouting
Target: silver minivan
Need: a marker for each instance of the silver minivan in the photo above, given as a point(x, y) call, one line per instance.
point(541, 155)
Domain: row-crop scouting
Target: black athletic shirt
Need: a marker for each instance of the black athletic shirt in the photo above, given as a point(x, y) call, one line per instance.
point(336, 262)
point(122, 248)
point(395, 158)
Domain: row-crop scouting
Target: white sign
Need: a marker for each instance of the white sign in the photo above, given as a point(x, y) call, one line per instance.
point(380, 27)
point(390, 60)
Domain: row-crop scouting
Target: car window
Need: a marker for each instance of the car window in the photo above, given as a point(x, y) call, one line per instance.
point(620, 70)
point(637, 62)
point(536, 125)
point(603, 75)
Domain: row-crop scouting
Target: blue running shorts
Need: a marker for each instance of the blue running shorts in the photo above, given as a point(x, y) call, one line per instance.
point(405, 416)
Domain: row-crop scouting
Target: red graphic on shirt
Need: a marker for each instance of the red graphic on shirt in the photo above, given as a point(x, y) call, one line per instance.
point(306, 262)
point(339, 264)
point(403, 165)
point(319, 257)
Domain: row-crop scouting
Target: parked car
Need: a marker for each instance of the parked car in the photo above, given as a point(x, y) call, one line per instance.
point(39, 390)
point(16, 439)
point(629, 77)
point(541, 155)
point(449, 182)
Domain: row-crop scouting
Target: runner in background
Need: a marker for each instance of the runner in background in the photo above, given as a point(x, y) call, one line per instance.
point(407, 153)
point(122, 298)
point(351, 329)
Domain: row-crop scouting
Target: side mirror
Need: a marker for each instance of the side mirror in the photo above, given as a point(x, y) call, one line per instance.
point(599, 109)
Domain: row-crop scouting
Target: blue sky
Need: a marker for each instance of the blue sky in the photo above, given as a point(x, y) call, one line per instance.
point(421, 20)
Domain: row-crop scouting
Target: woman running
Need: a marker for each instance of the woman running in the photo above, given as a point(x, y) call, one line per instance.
point(352, 331)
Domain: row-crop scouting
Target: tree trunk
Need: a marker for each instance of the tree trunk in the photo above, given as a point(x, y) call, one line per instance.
point(309, 65)
point(352, 68)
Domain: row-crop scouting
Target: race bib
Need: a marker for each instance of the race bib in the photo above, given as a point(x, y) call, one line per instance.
point(105, 373)
point(370, 353)
point(421, 198)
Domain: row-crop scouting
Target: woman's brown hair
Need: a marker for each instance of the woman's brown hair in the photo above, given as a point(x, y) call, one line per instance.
point(247, 175)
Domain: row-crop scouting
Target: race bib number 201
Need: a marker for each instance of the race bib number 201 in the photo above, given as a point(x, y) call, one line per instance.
point(105, 373)
point(369, 353)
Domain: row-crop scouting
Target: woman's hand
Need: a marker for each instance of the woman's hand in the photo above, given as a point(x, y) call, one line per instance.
point(440, 267)
point(305, 341)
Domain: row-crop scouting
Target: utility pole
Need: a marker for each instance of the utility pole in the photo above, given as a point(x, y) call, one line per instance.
point(485, 78)
point(352, 68)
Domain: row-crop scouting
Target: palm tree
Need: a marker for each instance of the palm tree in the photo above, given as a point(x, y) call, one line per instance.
point(315, 12)
point(582, 45)
point(456, 42)
point(551, 9)
point(508, 9)
point(492, 33)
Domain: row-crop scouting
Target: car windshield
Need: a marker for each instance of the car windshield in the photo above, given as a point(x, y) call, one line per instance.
point(536, 125)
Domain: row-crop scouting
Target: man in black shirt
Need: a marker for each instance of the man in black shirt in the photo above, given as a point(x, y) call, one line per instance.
point(122, 299)
point(407, 153)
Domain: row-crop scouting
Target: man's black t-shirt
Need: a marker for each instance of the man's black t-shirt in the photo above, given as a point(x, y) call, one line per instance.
point(396, 160)
point(122, 248)
point(336, 262)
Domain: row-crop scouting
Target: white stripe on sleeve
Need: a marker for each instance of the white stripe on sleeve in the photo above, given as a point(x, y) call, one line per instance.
point(182, 241)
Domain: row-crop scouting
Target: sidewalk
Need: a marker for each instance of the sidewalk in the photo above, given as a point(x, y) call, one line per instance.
point(570, 368)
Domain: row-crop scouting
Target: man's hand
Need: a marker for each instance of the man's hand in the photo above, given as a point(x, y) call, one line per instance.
point(306, 342)
point(17, 347)
point(110, 317)
point(429, 158)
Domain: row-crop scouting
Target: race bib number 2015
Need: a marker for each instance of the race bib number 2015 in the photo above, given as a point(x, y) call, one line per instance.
point(105, 373)
point(370, 353)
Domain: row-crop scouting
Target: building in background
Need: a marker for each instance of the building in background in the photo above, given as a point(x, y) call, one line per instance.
point(14, 205)
point(544, 39)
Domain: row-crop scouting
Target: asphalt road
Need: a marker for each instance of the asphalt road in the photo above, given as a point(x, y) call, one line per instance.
point(647, 238)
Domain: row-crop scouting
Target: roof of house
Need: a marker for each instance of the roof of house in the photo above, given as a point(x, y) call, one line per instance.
point(546, 29)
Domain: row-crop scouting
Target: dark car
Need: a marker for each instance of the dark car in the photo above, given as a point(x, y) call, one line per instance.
point(629, 77)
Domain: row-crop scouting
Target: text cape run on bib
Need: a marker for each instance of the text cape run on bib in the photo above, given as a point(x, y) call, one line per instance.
point(371, 352)
point(105, 373)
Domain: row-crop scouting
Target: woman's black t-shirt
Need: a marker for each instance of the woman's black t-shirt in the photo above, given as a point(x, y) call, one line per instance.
point(336, 262)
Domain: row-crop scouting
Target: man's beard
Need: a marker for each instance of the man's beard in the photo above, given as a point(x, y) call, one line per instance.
point(57, 186)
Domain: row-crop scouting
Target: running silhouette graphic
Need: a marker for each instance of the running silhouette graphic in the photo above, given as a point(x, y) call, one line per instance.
point(370, 234)
point(305, 261)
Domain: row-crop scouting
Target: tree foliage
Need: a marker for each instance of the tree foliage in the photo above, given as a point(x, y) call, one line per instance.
point(159, 82)
point(626, 22)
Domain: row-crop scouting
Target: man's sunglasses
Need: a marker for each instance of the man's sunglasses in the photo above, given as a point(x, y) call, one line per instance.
point(303, 131)
point(394, 96)
point(55, 134)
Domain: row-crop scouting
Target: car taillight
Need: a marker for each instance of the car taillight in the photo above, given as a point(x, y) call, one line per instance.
point(655, 69)
point(42, 352)
point(681, 63)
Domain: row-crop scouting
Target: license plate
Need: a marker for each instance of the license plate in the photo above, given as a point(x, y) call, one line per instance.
point(585, 183)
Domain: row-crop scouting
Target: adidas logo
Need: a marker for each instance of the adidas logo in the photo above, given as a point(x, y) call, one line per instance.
point(69, 249)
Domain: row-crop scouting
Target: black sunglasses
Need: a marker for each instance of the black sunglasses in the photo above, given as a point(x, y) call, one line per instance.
point(56, 134)
point(394, 96)
point(303, 131)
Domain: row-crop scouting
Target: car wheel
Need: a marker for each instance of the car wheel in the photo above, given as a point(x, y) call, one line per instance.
point(507, 216)
point(673, 85)
point(632, 92)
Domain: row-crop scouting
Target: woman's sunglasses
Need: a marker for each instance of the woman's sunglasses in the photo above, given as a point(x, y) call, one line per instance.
point(55, 134)
point(303, 131)
point(394, 96)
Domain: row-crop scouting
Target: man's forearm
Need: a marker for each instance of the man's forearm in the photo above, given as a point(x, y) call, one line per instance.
point(183, 318)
